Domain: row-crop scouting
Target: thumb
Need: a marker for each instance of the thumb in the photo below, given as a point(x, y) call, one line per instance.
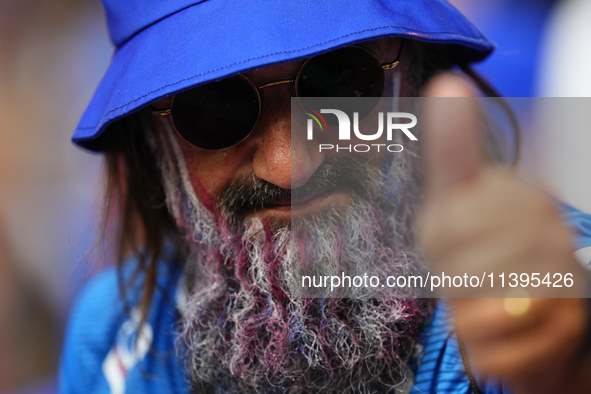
point(452, 149)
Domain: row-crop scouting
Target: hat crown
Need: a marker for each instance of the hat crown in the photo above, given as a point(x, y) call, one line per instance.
point(199, 41)
point(126, 18)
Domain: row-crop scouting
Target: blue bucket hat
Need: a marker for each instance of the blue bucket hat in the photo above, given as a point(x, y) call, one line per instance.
point(163, 47)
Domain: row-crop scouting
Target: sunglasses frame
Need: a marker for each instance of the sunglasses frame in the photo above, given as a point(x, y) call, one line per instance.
point(168, 111)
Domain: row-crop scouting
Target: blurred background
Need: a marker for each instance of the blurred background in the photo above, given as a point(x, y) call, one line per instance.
point(52, 55)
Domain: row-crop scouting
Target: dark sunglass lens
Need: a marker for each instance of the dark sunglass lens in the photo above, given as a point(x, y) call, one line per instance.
point(217, 115)
point(346, 72)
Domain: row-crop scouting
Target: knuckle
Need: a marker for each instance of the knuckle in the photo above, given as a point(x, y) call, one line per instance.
point(542, 206)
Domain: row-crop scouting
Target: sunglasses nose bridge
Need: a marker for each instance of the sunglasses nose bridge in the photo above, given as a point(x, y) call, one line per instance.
point(275, 83)
point(278, 156)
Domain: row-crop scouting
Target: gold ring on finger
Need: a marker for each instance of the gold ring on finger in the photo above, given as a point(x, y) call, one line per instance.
point(517, 302)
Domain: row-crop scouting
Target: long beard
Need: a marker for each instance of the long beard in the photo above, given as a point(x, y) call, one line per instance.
point(247, 327)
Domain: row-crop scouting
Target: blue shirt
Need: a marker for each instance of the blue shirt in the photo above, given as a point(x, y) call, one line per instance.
point(99, 355)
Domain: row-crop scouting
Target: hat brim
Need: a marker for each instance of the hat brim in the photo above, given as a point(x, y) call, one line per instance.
point(216, 39)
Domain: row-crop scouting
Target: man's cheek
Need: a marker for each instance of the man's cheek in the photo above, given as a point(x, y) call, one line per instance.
point(206, 198)
point(194, 165)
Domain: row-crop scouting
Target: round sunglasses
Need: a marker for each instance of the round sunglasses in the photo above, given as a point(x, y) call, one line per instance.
point(221, 114)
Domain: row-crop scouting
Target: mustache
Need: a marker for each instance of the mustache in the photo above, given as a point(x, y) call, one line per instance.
point(250, 193)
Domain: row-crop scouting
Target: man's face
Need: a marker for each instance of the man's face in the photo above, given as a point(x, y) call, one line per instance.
point(269, 153)
point(247, 326)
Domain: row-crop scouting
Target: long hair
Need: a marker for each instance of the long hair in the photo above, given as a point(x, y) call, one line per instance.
point(135, 216)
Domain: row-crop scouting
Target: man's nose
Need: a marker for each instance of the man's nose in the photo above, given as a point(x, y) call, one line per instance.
point(281, 158)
